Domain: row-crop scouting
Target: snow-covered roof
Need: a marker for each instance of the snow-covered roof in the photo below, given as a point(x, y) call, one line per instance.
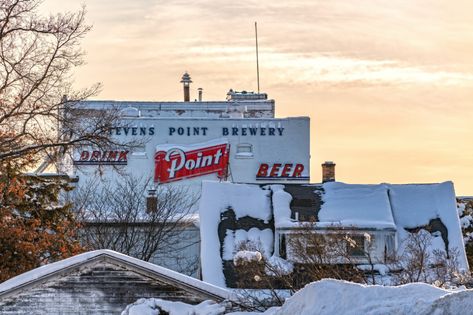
point(400, 206)
point(244, 199)
point(39, 274)
point(362, 206)
point(343, 206)
point(383, 206)
point(416, 205)
point(136, 109)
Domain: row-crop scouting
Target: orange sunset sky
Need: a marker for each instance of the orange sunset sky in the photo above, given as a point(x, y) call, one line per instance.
point(388, 85)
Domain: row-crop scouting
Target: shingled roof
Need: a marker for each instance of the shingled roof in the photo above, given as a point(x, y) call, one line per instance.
point(101, 281)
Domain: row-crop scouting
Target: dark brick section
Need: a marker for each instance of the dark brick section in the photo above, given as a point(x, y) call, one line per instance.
point(99, 288)
point(228, 221)
point(306, 201)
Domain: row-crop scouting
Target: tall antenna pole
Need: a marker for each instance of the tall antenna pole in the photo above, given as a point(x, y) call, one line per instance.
point(257, 61)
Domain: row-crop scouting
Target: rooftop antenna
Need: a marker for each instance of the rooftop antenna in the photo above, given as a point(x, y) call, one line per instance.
point(257, 61)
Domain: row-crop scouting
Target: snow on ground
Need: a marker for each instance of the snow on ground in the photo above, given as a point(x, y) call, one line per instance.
point(328, 296)
point(153, 307)
point(341, 297)
point(362, 206)
point(382, 269)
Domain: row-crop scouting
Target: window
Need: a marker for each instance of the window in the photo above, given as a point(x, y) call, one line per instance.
point(139, 152)
point(244, 150)
point(131, 112)
point(356, 245)
point(389, 248)
point(282, 246)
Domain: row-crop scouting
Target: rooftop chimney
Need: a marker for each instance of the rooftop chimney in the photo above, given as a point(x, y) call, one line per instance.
point(186, 81)
point(152, 201)
point(200, 94)
point(328, 172)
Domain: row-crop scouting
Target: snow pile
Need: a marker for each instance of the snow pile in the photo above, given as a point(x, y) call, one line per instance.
point(246, 256)
point(465, 212)
point(363, 206)
point(158, 306)
point(466, 221)
point(416, 205)
point(382, 269)
point(328, 296)
point(461, 206)
point(281, 203)
point(245, 200)
point(217, 197)
point(341, 297)
point(253, 239)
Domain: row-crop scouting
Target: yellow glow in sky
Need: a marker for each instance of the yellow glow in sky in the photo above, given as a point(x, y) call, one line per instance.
point(388, 84)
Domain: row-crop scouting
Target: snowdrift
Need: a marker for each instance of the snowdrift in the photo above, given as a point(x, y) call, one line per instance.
point(341, 297)
point(327, 297)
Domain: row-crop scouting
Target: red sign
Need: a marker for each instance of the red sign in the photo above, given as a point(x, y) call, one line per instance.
point(278, 170)
point(102, 157)
point(185, 162)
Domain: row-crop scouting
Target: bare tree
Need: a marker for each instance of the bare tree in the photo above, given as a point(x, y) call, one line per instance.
point(37, 55)
point(115, 216)
point(313, 256)
point(419, 263)
point(341, 255)
point(327, 255)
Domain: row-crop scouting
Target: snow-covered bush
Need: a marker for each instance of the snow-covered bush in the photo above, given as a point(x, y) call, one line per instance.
point(244, 257)
point(465, 212)
point(418, 262)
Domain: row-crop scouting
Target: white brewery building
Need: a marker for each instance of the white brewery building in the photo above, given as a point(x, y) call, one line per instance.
point(238, 140)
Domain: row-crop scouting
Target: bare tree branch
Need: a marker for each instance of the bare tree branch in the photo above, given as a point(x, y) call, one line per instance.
point(115, 217)
point(37, 55)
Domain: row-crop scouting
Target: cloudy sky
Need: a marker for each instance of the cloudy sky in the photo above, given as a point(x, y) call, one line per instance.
point(388, 84)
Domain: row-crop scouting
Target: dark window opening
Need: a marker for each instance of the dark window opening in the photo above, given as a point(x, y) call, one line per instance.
point(305, 203)
point(282, 247)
